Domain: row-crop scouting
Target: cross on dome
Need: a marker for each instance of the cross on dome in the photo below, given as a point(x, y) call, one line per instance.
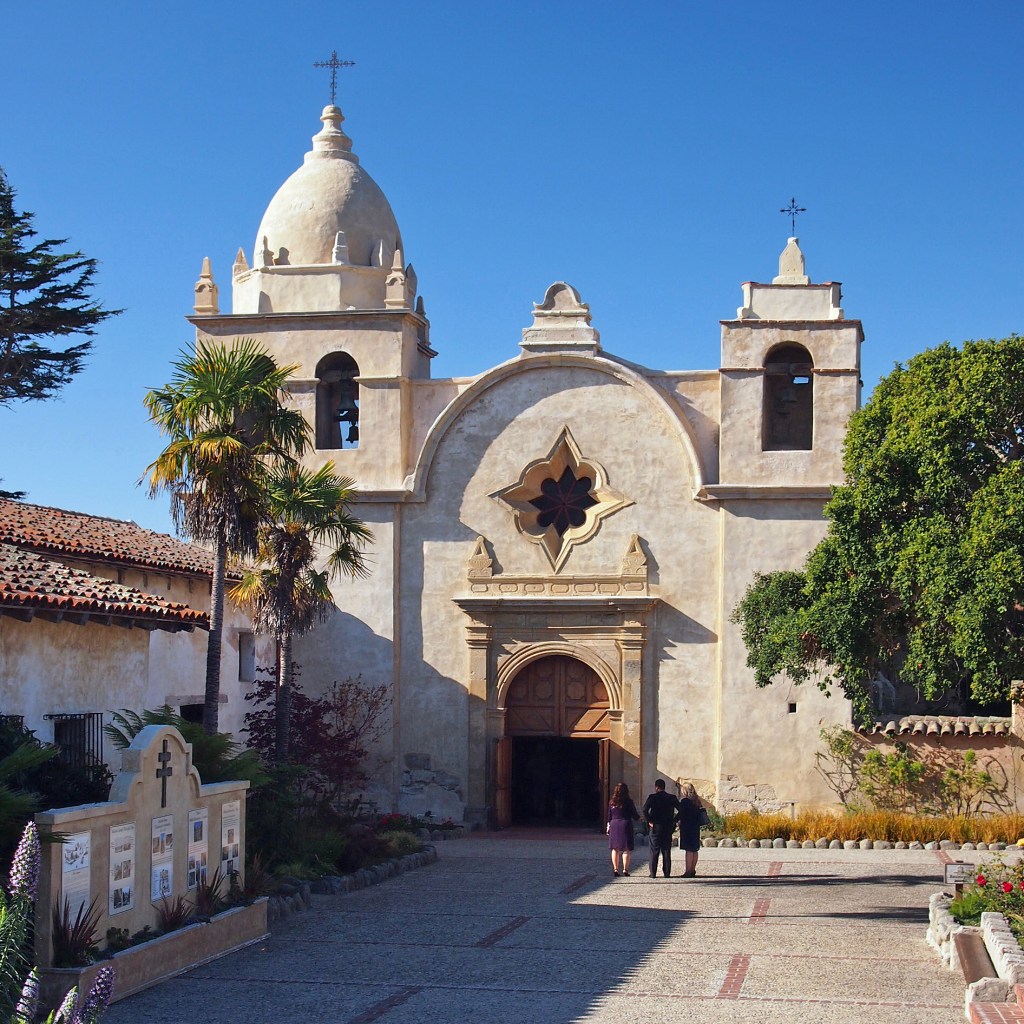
point(334, 64)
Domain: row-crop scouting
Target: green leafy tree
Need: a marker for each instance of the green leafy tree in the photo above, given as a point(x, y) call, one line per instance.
point(44, 296)
point(225, 415)
point(307, 512)
point(922, 569)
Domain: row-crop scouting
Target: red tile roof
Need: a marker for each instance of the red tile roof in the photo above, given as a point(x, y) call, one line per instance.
point(31, 584)
point(77, 535)
point(940, 725)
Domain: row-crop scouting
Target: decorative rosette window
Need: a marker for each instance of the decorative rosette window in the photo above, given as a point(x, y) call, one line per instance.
point(560, 500)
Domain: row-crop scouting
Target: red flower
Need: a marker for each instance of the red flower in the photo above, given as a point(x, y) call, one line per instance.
point(1007, 886)
point(981, 880)
point(1022, 885)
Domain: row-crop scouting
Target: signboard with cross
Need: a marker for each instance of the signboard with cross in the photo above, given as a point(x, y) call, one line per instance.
point(139, 843)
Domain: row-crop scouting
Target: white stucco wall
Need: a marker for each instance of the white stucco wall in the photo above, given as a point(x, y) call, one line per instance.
point(61, 667)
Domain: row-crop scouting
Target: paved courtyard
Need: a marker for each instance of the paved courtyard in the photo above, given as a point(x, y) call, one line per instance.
point(526, 927)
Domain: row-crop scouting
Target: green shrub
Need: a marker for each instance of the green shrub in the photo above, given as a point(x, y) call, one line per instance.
point(398, 844)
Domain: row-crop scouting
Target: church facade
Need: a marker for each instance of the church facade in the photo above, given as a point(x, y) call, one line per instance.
point(559, 542)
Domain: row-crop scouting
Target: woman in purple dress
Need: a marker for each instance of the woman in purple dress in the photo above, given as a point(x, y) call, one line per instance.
point(622, 813)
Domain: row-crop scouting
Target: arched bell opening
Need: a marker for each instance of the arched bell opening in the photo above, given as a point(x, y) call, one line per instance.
point(788, 399)
point(337, 402)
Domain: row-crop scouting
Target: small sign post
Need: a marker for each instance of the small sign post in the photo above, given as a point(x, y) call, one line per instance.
point(956, 874)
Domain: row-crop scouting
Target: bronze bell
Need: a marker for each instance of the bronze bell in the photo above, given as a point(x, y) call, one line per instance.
point(347, 409)
point(353, 433)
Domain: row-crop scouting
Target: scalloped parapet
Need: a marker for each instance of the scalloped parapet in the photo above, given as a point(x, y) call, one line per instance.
point(561, 321)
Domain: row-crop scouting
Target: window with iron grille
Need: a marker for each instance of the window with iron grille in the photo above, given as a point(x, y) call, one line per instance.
point(79, 737)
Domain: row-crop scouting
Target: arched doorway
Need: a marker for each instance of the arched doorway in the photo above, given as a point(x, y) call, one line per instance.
point(555, 750)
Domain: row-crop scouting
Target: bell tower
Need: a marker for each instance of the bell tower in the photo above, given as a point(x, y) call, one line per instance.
point(789, 381)
point(329, 291)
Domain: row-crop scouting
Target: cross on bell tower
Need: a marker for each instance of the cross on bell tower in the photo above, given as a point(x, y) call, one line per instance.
point(791, 211)
point(334, 64)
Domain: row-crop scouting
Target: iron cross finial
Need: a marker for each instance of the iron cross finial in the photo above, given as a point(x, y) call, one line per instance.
point(792, 210)
point(334, 64)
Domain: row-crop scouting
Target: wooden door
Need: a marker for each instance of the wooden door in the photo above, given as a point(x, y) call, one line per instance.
point(604, 757)
point(503, 783)
point(557, 696)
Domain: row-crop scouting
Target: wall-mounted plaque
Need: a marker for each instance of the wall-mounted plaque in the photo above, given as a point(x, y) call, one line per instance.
point(121, 889)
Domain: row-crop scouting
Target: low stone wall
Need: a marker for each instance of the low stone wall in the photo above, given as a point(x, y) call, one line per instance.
point(1004, 951)
point(295, 895)
point(942, 926)
point(848, 844)
point(1002, 946)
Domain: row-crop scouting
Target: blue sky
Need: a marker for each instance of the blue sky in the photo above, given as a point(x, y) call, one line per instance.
point(639, 151)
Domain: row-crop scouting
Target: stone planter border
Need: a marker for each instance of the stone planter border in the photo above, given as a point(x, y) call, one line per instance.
point(283, 905)
point(848, 844)
point(1003, 949)
point(139, 967)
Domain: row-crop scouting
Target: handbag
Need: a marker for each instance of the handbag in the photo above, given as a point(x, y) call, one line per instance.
point(703, 819)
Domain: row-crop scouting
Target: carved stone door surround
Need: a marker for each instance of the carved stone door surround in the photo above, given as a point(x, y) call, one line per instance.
point(603, 621)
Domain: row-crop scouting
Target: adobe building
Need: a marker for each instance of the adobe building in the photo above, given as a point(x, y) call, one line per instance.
point(100, 615)
point(559, 541)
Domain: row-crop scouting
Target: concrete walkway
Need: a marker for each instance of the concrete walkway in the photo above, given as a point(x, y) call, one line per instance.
point(521, 927)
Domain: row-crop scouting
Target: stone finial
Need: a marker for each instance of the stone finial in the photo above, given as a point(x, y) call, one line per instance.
point(331, 142)
point(206, 291)
point(1017, 707)
point(634, 562)
point(791, 265)
point(266, 254)
point(480, 563)
point(241, 264)
point(394, 286)
point(339, 254)
point(420, 308)
point(411, 283)
point(562, 320)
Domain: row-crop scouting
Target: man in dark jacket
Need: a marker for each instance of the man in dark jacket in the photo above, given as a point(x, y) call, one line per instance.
point(660, 814)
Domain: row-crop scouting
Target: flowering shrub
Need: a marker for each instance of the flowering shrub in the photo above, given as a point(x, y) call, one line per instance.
point(998, 888)
point(15, 915)
point(400, 823)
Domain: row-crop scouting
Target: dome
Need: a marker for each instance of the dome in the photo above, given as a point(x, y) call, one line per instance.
point(328, 194)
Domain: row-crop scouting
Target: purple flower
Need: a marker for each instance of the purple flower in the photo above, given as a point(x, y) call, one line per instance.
point(29, 1001)
point(66, 1011)
point(98, 998)
point(25, 869)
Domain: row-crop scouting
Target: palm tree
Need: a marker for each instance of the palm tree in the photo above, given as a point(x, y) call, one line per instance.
point(225, 416)
point(286, 594)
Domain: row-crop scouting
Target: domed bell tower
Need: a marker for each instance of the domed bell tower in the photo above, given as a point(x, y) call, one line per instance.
point(329, 291)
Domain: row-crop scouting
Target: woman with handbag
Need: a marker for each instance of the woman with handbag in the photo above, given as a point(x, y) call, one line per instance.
point(622, 813)
point(692, 816)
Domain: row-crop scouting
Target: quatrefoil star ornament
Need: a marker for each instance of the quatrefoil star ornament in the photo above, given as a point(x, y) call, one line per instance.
point(560, 500)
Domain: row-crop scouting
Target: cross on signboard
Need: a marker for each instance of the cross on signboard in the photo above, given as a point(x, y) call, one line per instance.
point(334, 64)
point(164, 772)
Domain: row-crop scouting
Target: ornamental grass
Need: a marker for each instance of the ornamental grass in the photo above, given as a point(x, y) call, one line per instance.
point(892, 826)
